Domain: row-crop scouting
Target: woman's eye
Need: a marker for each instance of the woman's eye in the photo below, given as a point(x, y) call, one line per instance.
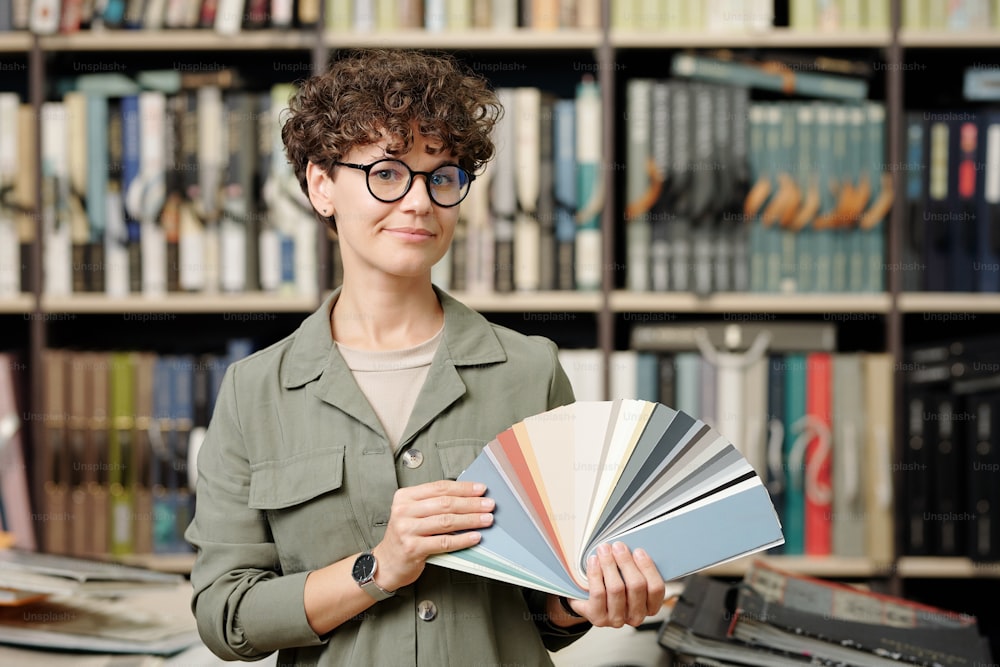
point(387, 175)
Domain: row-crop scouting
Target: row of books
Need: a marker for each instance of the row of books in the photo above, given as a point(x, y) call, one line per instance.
point(532, 219)
point(121, 434)
point(150, 186)
point(957, 15)
point(814, 423)
point(819, 198)
point(229, 17)
point(952, 448)
point(460, 15)
point(952, 179)
point(709, 15)
point(728, 195)
point(845, 15)
point(838, 15)
point(775, 618)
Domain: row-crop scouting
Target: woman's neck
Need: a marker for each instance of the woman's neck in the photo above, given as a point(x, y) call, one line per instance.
point(388, 318)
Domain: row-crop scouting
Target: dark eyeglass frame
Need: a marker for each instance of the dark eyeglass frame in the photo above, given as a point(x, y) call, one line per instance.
point(367, 168)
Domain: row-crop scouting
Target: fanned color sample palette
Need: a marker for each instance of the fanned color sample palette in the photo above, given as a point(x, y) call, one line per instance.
point(566, 480)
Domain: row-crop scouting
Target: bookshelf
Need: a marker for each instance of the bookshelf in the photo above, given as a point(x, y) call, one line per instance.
point(602, 49)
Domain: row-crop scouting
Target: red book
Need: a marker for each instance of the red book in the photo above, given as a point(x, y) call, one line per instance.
point(819, 451)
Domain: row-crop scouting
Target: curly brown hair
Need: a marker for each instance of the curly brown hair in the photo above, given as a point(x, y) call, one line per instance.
point(370, 93)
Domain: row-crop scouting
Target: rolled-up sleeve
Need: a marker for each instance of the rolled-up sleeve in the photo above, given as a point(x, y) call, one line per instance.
point(245, 607)
point(560, 388)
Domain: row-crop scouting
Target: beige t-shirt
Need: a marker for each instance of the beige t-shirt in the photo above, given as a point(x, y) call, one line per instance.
point(391, 380)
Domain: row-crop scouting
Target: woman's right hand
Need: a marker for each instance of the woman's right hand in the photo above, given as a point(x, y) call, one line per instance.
point(423, 521)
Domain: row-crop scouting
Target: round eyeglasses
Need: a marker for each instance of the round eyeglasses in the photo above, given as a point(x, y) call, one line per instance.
point(390, 180)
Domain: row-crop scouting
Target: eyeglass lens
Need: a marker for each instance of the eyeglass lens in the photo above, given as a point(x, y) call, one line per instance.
point(389, 180)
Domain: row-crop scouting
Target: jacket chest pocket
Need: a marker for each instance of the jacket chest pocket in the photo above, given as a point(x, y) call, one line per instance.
point(457, 455)
point(307, 508)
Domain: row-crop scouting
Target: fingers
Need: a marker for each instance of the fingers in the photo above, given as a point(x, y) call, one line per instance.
point(656, 589)
point(625, 587)
point(443, 487)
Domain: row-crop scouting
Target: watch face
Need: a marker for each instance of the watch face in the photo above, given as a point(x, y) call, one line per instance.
point(364, 567)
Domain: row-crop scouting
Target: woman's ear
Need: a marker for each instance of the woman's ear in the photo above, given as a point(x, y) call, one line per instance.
point(320, 192)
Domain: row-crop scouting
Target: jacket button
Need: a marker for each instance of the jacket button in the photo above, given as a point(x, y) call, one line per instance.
point(412, 458)
point(427, 610)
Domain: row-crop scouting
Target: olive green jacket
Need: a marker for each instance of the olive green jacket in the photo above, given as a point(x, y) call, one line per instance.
point(295, 473)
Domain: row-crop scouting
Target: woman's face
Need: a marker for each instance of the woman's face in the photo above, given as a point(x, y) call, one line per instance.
point(402, 239)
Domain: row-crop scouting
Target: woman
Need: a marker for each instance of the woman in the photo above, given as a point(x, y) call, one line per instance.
point(327, 475)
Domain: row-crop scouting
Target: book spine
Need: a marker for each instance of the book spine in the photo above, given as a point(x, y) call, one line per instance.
point(212, 141)
point(96, 137)
point(776, 478)
point(10, 250)
point(142, 452)
point(661, 212)
point(913, 236)
point(527, 165)
point(120, 454)
point(149, 192)
point(131, 186)
point(590, 196)
point(819, 456)
point(55, 199)
point(872, 226)
point(983, 492)
point(878, 457)
point(936, 232)
point(79, 226)
point(681, 159)
point(504, 15)
point(504, 194)
point(795, 410)
point(703, 187)
point(565, 190)
point(947, 520)
point(234, 234)
point(847, 521)
point(229, 17)
point(962, 210)
point(639, 183)
point(25, 186)
point(546, 212)
point(162, 470)
point(988, 274)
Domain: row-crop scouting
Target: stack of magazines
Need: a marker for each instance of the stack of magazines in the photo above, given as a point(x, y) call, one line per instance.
point(778, 619)
point(61, 603)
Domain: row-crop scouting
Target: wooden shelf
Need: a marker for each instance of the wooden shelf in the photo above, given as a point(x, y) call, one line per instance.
point(478, 40)
point(252, 302)
point(930, 567)
point(532, 302)
point(836, 306)
point(777, 38)
point(22, 303)
point(955, 304)
point(195, 41)
point(15, 42)
point(950, 39)
point(833, 567)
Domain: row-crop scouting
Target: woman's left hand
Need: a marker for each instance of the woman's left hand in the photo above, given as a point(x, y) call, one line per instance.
point(625, 587)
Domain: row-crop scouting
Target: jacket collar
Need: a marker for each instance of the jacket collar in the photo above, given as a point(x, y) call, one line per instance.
point(469, 339)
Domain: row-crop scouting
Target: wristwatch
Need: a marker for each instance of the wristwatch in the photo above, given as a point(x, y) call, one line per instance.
point(364, 573)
